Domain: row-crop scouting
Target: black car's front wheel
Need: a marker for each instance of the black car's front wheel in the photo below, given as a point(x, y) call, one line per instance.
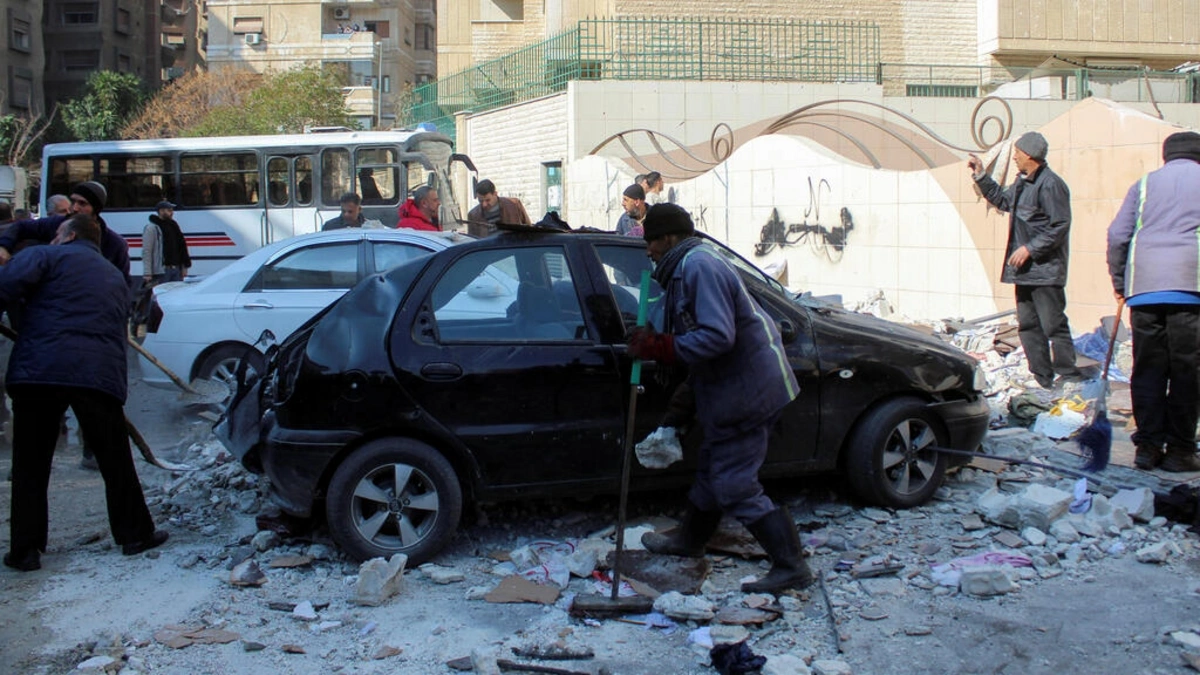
point(892, 460)
point(394, 495)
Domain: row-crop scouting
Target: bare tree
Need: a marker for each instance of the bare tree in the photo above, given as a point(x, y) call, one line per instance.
point(19, 134)
point(186, 102)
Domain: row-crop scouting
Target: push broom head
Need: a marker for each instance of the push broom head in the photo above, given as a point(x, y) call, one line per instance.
point(1095, 442)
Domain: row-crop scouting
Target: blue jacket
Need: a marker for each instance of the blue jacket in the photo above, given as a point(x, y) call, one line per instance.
point(1040, 220)
point(736, 362)
point(112, 245)
point(1163, 252)
point(74, 321)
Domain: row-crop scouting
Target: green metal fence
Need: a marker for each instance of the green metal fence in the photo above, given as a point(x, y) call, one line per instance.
point(654, 49)
point(1067, 84)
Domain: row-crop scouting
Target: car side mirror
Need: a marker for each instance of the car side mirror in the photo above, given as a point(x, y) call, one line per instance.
point(787, 331)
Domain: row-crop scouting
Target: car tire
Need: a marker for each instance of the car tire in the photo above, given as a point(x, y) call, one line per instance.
point(370, 518)
point(890, 461)
point(221, 364)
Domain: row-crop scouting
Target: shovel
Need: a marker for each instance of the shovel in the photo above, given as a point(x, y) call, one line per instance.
point(591, 604)
point(200, 392)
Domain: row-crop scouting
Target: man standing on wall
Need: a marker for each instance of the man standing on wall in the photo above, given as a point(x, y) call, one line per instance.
point(1036, 256)
point(420, 212)
point(1154, 262)
point(493, 209)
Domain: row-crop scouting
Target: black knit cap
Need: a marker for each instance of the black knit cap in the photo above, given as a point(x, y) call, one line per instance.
point(93, 192)
point(664, 219)
point(1182, 145)
point(635, 191)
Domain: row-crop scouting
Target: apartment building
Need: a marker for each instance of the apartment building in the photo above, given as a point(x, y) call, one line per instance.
point(381, 47)
point(22, 60)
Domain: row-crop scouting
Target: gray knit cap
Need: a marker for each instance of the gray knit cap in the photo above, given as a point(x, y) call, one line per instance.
point(1033, 144)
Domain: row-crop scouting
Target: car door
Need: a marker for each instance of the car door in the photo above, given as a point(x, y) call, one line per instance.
point(525, 384)
point(296, 284)
point(384, 254)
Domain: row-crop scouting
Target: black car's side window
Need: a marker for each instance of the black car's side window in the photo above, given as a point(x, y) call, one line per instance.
point(312, 268)
point(510, 294)
point(623, 266)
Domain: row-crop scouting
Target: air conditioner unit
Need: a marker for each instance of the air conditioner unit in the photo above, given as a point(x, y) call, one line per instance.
point(253, 38)
point(341, 13)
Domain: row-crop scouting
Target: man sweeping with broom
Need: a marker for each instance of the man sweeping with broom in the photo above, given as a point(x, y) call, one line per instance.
point(1154, 261)
point(741, 379)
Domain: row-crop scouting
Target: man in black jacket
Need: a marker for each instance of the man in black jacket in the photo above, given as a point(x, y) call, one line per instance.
point(71, 353)
point(1036, 256)
point(164, 250)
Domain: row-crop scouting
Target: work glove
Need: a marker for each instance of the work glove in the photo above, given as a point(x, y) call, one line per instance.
point(646, 344)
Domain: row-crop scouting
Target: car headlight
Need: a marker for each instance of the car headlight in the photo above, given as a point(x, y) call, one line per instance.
point(980, 382)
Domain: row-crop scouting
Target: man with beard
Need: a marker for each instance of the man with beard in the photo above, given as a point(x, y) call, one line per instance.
point(164, 249)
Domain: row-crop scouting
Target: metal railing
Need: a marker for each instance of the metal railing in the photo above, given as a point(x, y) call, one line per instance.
point(654, 49)
point(1067, 84)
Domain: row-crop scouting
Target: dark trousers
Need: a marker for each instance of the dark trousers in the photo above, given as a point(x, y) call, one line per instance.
point(727, 473)
point(1043, 329)
point(37, 410)
point(1165, 385)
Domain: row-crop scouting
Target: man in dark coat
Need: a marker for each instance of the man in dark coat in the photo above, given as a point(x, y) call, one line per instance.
point(741, 380)
point(1154, 263)
point(493, 209)
point(165, 254)
point(71, 353)
point(1036, 256)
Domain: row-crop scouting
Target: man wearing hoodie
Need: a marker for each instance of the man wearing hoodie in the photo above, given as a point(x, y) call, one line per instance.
point(420, 212)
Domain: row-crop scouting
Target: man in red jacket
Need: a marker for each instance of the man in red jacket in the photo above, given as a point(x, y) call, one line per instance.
point(420, 212)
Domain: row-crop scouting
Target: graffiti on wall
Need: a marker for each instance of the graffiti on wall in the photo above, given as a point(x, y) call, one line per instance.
point(828, 241)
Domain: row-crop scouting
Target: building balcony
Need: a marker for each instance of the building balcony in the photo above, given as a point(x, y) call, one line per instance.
point(362, 101)
point(360, 46)
point(1125, 29)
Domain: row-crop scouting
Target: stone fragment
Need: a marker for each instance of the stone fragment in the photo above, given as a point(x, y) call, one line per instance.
point(917, 631)
point(1034, 536)
point(1186, 638)
point(831, 667)
point(1009, 539)
point(379, 579)
point(1158, 522)
point(1089, 526)
point(873, 613)
point(1138, 503)
point(728, 635)
point(1039, 506)
point(997, 507)
point(785, 664)
point(985, 581)
point(684, 607)
point(96, 663)
point(305, 611)
point(883, 587)
point(971, 522)
point(1015, 442)
point(877, 515)
point(1156, 553)
point(252, 646)
point(265, 540)
point(247, 573)
point(441, 575)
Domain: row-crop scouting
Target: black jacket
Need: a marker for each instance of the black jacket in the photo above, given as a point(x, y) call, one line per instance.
point(112, 245)
point(1041, 221)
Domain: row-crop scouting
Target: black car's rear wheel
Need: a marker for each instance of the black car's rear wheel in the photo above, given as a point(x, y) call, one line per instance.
point(394, 495)
point(891, 460)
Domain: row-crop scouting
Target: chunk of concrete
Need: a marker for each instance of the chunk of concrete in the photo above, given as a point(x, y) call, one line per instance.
point(1040, 505)
point(441, 575)
point(785, 664)
point(1034, 536)
point(1157, 553)
point(379, 579)
point(1138, 503)
point(1064, 531)
point(986, 581)
point(997, 507)
point(831, 667)
point(684, 607)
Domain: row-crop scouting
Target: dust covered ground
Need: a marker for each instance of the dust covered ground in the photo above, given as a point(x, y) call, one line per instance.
point(1088, 605)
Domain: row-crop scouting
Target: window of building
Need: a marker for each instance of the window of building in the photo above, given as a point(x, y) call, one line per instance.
point(387, 84)
point(19, 34)
point(20, 88)
point(84, 60)
point(247, 24)
point(379, 28)
point(173, 40)
point(124, 22)
point(124, 63)
point(552, 185)
point(80, 13)
point(502, 10)
point(425, 36)
point(408, 36)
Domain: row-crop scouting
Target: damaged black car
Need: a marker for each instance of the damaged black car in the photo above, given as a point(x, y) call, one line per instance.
point(497, 370)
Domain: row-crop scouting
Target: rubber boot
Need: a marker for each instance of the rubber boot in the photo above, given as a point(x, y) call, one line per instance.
point(687, 540)
point(777, 534)
point(1147, 457)
point(1180, 460)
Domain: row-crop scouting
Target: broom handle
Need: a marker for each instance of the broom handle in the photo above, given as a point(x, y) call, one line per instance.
point(1112, 341)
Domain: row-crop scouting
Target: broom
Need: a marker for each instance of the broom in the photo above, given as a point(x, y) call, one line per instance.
point(1095, 439)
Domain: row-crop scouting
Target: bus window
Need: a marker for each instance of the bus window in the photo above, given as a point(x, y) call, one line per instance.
point(137, 182)
point(277, 181)
point(417, 175)
point(67, 172)
point(229, 179)
point(378, 177)
point(335, 175)
point(304, 181)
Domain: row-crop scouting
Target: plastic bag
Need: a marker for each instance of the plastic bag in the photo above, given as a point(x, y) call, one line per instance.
point(660, 449)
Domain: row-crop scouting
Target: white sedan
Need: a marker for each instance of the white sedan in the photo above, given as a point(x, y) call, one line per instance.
point(202, 329)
